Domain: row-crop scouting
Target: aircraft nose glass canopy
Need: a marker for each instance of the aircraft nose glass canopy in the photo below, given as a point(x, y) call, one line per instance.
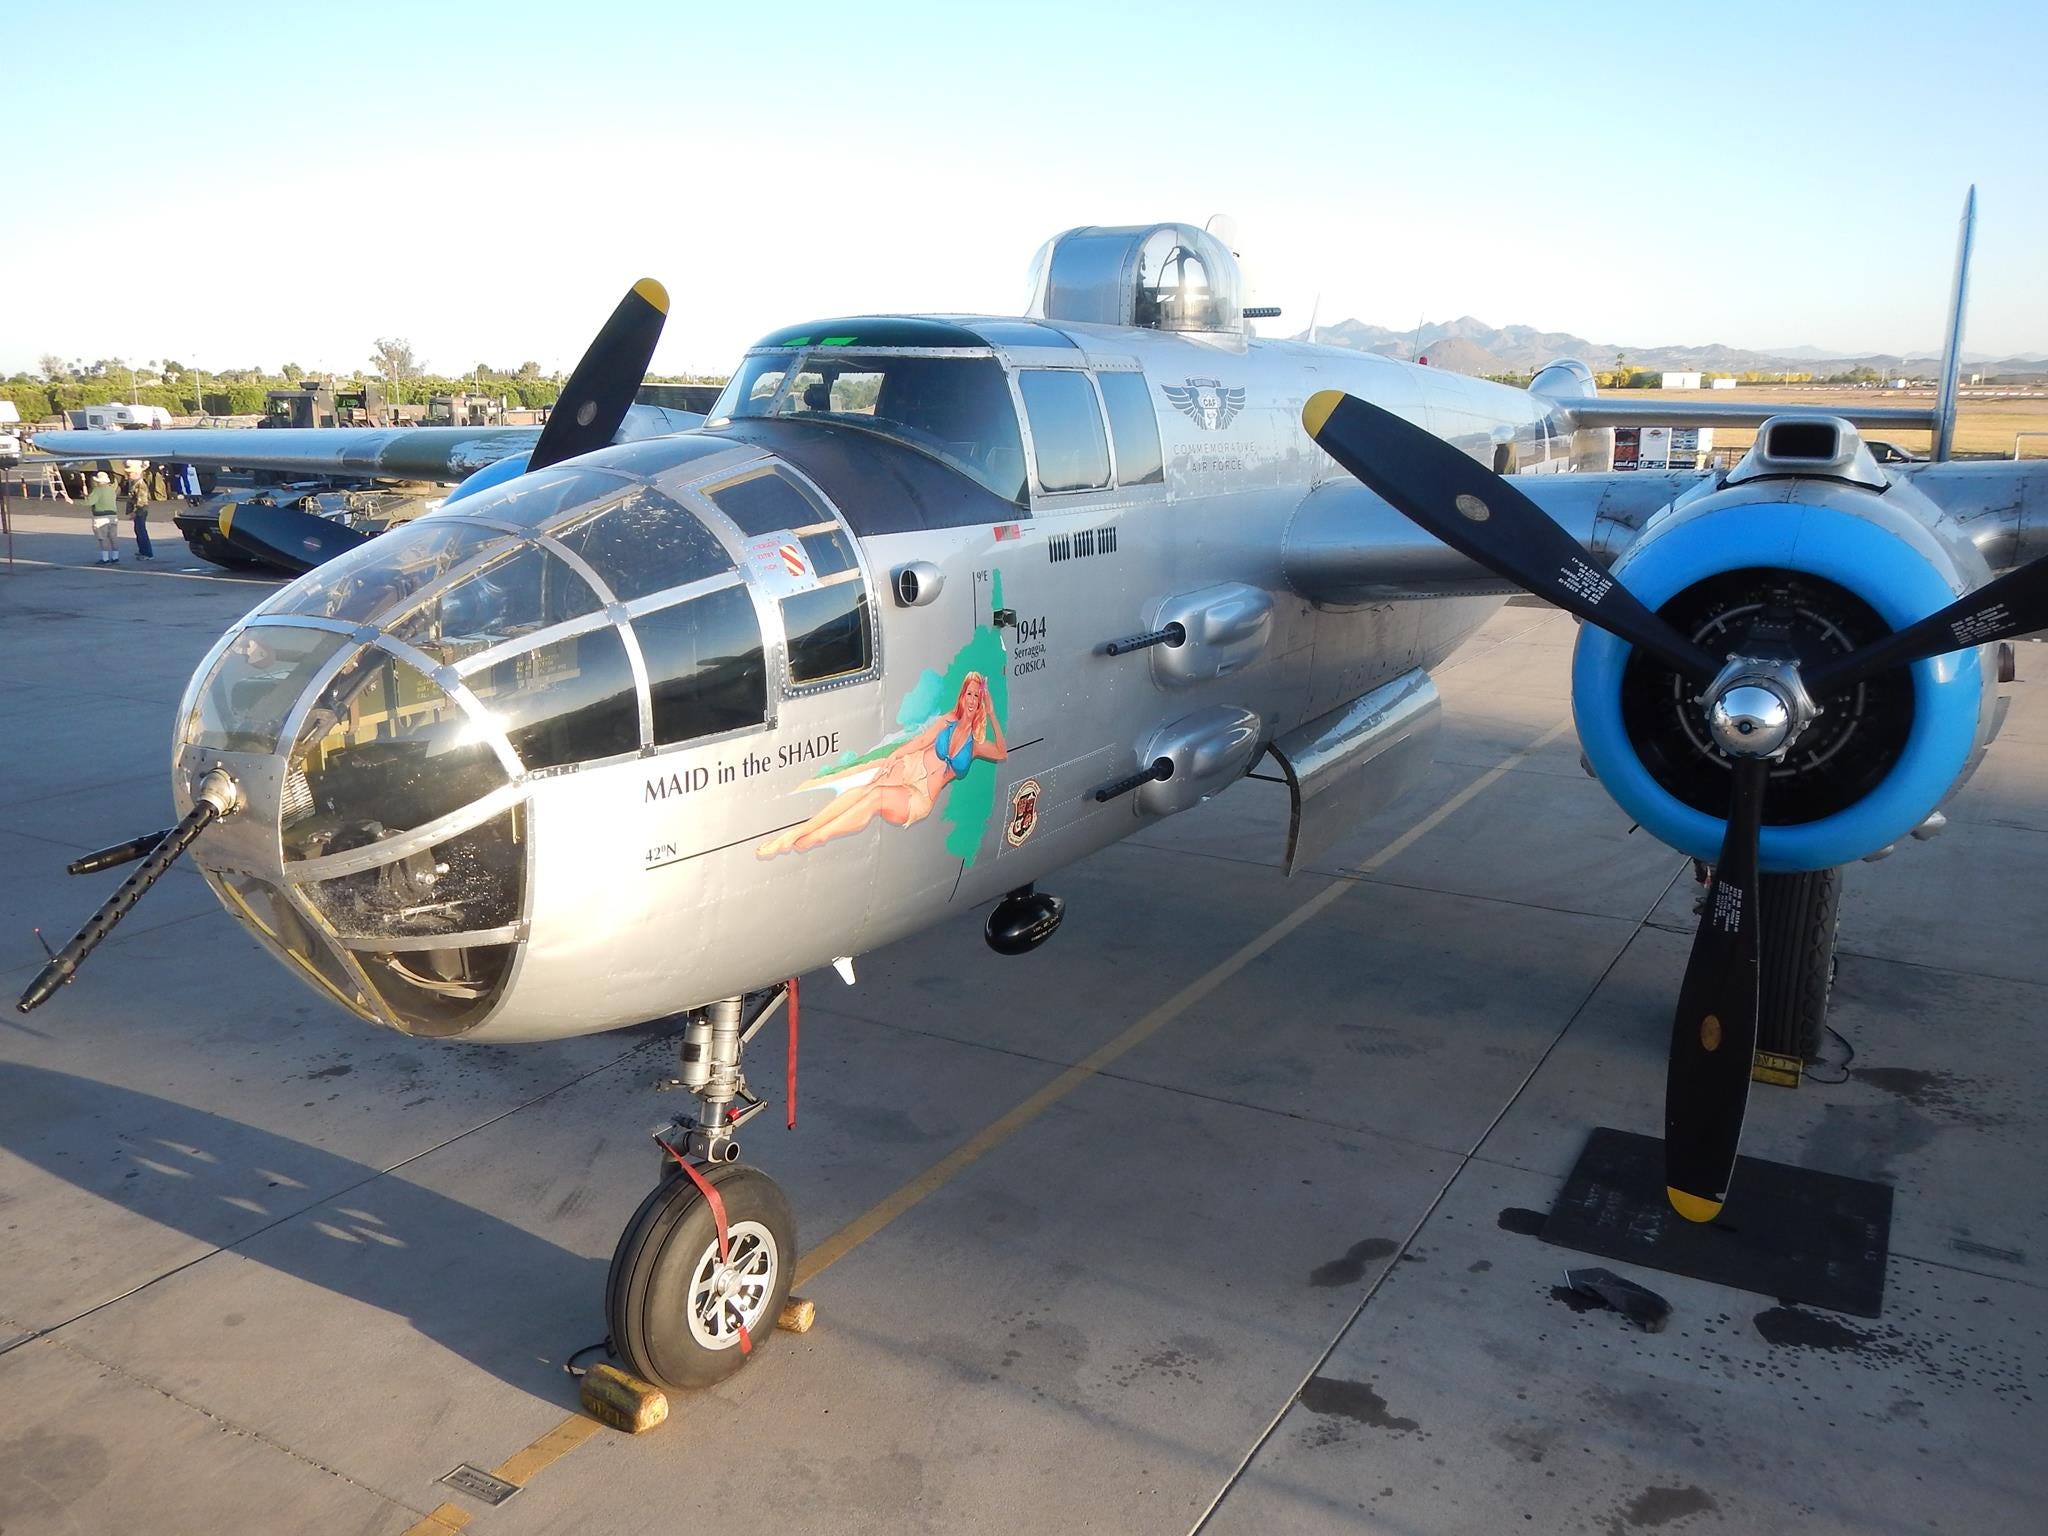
point(415, 686)
point(244, 702)
point(383, 750)
point(955, 406)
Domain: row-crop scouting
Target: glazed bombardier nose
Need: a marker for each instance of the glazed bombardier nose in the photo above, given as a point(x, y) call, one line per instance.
point(380, 850)
point(396, 713)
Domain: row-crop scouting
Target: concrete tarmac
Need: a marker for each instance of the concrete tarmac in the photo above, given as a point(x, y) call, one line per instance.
point(1198, 1219)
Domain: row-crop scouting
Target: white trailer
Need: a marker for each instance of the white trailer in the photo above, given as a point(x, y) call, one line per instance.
point(114, 415)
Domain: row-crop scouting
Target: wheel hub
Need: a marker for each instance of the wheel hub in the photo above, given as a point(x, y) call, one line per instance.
point(731, 1293)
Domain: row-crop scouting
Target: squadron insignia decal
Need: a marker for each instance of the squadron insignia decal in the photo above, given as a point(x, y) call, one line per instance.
point(1206, 402)
point(952, 722)
point(1023, 812)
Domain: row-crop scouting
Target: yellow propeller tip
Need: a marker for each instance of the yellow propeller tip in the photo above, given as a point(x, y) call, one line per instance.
point(227, 518)
point(1318, 409)
point(653, 293)
point(1692, 1207)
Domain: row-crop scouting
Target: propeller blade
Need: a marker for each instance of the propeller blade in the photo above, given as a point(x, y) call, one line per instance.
point(1713, 1034)
point(284, 536)
point(2015, 604)
point(1482, 516)
point(601, 387)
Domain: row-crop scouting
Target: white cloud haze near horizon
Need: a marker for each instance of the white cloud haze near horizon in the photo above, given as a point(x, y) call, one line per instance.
point(243, 188)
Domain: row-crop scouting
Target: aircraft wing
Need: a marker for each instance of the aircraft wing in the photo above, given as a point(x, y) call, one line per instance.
point(1619, 411)
point(1346, 545)
point(393, 453)
point(445, 454)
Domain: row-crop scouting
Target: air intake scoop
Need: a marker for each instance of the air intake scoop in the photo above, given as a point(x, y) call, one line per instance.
point(1826, 447)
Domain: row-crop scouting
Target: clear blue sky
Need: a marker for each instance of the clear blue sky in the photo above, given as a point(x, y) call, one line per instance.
point(485, 179)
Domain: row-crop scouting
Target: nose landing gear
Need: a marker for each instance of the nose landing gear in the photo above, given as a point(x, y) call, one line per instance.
point(702, 1270)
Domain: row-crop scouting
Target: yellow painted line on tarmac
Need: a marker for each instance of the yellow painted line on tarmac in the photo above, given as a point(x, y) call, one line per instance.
point(520, 1468)
point(440, 1521)
point(547, 1450)
point(880, 1215)
point(578, 1428)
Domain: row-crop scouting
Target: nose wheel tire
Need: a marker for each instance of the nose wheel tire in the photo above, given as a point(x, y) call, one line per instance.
point(1796, 953)
point(674, 1307)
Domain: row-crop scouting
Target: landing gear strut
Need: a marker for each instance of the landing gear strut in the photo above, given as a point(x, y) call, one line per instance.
point(703, 1268)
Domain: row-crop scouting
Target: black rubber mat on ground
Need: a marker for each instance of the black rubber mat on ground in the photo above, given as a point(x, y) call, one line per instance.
point(1792, 1233)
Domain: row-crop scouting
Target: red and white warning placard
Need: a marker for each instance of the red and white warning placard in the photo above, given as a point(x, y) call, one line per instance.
point(779, 561)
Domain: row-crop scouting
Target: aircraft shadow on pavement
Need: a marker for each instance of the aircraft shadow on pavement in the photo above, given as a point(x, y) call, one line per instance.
point(505, 1300)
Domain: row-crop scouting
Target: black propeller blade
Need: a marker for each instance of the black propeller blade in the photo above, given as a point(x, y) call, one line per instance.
point(2015, 604)
point(1713, 1033)
point(1480, 515)
point(600, 389)
point(1713, 1036)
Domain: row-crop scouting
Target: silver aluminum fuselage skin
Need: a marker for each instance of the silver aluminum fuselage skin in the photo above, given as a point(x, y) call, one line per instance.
point(645, 893)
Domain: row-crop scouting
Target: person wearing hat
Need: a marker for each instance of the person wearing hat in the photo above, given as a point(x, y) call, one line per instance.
point(136, 492)
point(105, 510)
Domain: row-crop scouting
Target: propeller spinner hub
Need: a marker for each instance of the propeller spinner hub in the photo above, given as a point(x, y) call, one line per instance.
point(1758, 707)
point(1750, 720)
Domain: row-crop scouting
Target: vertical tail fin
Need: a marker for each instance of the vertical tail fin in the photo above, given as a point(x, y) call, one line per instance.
point(1952, 344)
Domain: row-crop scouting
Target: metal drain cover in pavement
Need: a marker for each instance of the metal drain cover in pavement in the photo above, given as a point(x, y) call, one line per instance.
point(479, 1484)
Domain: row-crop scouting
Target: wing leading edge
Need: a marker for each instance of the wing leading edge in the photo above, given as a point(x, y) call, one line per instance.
point(446, 454)
point(394, 453)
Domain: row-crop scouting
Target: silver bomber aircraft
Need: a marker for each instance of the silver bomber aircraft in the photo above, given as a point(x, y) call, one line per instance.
point(930, 607)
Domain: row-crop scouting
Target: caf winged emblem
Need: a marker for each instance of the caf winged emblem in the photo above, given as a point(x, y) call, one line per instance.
point(1206, 402)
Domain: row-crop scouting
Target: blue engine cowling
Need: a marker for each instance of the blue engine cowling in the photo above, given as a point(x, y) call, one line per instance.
point(1895, 554)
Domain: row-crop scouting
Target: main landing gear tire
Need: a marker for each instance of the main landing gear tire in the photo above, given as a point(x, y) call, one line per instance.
point(674, 1311)
point(1796, 916)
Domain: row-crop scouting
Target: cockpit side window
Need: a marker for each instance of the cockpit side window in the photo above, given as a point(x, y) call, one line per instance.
point(829, 634)
point(765, 502)
point(1066, 429)
point(954, 407)
point(1133, 427)
point(793, 539)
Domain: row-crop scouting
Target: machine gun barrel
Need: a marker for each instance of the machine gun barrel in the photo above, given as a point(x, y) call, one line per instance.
point(1161, 770)
point(119, 854)
point(216, 796)
point(1173, 634)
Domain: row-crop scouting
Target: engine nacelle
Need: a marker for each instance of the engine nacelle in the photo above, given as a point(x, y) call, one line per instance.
point(1807, 549)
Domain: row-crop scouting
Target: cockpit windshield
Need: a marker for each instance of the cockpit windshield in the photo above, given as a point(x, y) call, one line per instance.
point(957, 409)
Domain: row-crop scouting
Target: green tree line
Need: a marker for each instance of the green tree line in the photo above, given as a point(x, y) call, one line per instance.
point(59, 386)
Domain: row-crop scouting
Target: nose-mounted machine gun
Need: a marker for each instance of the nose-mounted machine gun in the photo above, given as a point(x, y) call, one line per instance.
point(216, 795)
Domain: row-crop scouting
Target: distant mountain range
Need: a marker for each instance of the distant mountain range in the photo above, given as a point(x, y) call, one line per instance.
point(1469, 345)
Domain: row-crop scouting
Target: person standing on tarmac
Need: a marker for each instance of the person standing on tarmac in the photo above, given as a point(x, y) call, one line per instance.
point(106, 517)
point(138, 510)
